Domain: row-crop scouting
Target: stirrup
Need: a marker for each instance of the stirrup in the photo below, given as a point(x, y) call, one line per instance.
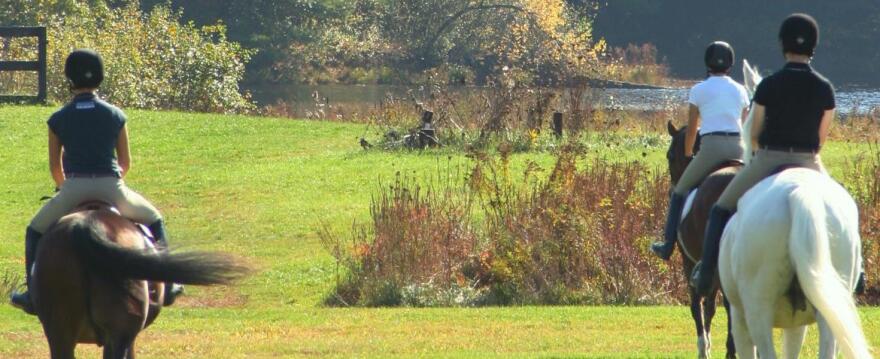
point(23, 301)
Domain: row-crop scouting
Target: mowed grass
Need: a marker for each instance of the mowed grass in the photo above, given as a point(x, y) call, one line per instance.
point(261, 188)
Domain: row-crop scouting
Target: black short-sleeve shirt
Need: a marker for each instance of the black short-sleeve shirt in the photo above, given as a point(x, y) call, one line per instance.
point(88, 129)
point(795, 98)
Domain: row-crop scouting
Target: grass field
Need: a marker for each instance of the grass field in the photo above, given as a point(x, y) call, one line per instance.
point(261, 188)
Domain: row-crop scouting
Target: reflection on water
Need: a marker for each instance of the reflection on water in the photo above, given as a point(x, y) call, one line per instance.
point(300, 97)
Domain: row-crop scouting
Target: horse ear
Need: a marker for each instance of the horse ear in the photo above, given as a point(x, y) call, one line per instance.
point(671, 128)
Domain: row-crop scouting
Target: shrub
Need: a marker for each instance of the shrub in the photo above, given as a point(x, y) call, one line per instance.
point(580, 236)
point(151, 60)
point(862, 179)
point(416, 249)
point(577, 237)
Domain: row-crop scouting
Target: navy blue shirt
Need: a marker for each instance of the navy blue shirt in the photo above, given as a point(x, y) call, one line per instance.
point(89, 130)
point(795, 98)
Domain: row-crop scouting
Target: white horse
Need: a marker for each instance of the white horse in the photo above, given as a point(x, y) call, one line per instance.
point(795, 227)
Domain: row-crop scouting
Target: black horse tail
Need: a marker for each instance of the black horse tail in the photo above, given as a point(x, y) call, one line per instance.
point(109, 259)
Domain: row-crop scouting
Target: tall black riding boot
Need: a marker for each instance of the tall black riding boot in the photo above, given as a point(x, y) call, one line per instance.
point(172, 290)
point(23, 300)
point(670, 234)
point(704, 272)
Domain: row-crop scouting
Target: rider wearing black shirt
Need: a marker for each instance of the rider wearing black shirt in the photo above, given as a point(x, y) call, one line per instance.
point(793, 110)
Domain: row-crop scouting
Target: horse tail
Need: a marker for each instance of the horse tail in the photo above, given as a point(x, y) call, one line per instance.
point(106, 258)
point(810, 253)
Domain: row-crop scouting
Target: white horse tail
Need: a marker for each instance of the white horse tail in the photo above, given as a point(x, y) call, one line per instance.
point(811, 256)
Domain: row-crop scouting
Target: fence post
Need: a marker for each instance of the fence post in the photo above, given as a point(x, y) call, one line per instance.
point(41, 58)
point(557, 124)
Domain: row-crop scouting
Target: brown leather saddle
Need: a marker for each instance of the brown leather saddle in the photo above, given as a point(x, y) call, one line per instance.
point(95, 205)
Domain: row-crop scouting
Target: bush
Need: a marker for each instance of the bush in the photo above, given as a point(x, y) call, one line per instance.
point(151, 60)
point(578, 237)
point(415, 250)
point(862, 180)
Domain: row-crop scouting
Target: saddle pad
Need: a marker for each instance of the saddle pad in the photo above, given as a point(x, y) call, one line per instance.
point(688, 204)
point(147, 234)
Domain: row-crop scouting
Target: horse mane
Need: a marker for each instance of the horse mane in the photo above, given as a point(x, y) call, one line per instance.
point(751, 79)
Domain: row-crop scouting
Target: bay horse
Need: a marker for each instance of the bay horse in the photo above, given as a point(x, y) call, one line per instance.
point(97, 279)
point(797, 229)
point(691, 231)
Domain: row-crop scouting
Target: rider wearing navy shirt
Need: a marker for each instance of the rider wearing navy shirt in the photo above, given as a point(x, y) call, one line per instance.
point(88, 158)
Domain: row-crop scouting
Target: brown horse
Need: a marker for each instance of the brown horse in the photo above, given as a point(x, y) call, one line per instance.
point(98, 280)
point(691, 232)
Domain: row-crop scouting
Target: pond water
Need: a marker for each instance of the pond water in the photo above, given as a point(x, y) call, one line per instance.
point(299, 98)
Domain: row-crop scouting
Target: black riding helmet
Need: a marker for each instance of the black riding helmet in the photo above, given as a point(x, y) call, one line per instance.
point(719, 56)
point(84, 69)
point(799, 34)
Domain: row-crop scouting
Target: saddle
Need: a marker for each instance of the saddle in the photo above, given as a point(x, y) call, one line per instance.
point(693, 193)
point(95, 205)
point(784, 167)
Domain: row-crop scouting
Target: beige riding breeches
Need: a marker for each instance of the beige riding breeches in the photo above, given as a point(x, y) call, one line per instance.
point(761, 165)
point(112, 190)
point(713, 151)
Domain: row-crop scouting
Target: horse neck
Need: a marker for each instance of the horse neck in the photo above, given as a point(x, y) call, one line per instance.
point(746, 136)
point(751, 79)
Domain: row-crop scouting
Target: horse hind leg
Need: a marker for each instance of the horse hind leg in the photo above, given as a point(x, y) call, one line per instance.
point(709, 309)
point(760, 323)
point(793, 340)
point(61, 335)
point(731, 348)
point(697, 314)
point(119, 348)
point(741, 336)
point(61, 347)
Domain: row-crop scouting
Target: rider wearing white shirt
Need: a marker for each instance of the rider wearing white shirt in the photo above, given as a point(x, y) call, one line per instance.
point(717, 108)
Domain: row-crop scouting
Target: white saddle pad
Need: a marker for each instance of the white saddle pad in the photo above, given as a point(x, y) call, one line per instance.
point(688, 203)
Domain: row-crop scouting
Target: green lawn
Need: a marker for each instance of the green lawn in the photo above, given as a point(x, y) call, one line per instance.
point(261, 188)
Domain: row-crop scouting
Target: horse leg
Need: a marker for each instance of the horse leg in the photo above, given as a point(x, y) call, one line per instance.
point(130, 351)
point(741, 335)
point(62, 344)
point(709, 310)
point(827, 344)
point(119, 348)
point(731, 348)
point(793, 340)
point(697, 314)
point(759, 318)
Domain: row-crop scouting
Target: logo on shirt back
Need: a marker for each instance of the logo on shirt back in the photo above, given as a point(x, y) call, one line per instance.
point(85, 105)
